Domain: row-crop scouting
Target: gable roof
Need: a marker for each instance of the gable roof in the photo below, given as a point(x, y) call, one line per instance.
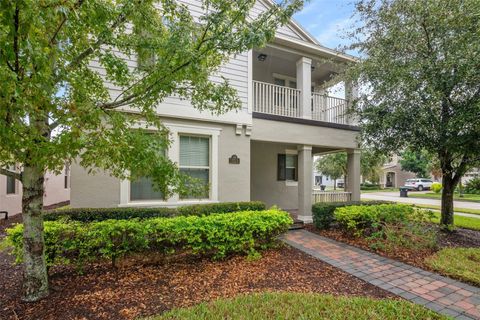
point(293, 29)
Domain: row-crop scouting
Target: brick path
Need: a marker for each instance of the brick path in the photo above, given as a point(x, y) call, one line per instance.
point(441, 294)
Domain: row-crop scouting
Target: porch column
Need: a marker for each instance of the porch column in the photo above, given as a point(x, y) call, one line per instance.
point(351, 94)
point(305, 186)
point(304, 83)
point(353, 175)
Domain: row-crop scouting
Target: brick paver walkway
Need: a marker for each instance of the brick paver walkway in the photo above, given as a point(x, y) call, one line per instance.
point(441, 294)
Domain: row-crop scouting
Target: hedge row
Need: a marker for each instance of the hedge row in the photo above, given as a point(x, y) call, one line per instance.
point(323, 212)
point(101, 214)
point(216, 235)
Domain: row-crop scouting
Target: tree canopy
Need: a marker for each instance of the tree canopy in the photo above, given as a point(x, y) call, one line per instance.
point(58, 62)
point(420, 62)
point(416, 162)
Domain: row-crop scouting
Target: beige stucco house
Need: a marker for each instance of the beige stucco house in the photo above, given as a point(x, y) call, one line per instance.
point(57, 191)
point(264, 151)
point(392, 175)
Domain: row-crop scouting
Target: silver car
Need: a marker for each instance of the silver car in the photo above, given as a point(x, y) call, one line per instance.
point(418, 184)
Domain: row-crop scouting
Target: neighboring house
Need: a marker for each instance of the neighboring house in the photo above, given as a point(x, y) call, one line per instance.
point(264, 151)
point(57, 192)
point(392, 175)
point(473, 173)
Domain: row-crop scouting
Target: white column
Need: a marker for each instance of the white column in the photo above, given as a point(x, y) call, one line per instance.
point(353, 173)
point(305, 186)
point(351, 94)
point(304, 83)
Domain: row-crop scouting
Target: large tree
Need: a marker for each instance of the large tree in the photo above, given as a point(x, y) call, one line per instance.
point(420, 62)
point(416, 162)
point(334, 166)
point(57, 60)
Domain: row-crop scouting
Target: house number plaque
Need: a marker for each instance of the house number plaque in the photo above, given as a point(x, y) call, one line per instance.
point(234, 159)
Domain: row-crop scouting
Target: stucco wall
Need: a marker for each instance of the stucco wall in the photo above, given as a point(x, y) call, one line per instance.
point(54, 193)
point(264, 184)
point(102, 190)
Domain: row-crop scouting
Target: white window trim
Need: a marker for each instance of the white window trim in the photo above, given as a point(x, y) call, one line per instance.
point(291, 183)
point(174, 154)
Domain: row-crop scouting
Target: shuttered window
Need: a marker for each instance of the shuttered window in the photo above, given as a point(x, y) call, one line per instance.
point(287, 167)
point(195, 160)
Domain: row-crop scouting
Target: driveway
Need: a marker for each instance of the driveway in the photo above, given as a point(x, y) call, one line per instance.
point(395, 197)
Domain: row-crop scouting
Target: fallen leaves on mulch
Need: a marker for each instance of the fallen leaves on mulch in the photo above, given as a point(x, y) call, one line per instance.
point(136, 290)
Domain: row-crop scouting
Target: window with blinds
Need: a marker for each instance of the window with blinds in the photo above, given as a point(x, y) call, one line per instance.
point(195, 160)
point(287, 167)
point(11, 182)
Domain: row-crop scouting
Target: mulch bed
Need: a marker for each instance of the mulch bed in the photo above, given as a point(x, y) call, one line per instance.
point(136, 290)
point(459, 238)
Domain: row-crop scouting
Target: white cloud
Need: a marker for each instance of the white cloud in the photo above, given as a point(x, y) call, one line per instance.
point(331, 35)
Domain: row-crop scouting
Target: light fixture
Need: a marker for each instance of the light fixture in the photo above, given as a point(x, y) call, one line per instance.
point(312, 68)
point(262, 57)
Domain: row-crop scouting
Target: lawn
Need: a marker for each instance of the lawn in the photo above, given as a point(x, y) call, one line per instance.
point(301, 306)
point(461, 263)
point(462, 210)
point(380, 190)
point(462, 222)
point(432, 195)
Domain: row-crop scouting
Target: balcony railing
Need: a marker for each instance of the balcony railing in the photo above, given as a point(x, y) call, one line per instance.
point(278, 100)
point(330, 196)
point(283, 101)
point(329, 109)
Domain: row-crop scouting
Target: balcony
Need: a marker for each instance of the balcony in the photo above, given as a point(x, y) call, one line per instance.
point(283, 101)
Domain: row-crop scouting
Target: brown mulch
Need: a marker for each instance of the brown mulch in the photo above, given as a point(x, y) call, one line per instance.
point(139, 290)
point(415, 257)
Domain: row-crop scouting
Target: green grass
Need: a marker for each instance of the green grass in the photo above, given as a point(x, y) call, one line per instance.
point(431, 195)
point(462, 222)
point(301, 306)
point(460, 263)
point(463, 210)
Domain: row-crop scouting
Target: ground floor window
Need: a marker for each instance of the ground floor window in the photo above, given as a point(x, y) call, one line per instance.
point(11, 183)
point(143, 189)
point(287, 167)
point(195, 161)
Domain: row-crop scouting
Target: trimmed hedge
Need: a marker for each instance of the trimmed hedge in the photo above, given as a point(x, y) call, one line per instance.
point(323, 212)
point(358, 218)
point(216, 235)
point(101, 214)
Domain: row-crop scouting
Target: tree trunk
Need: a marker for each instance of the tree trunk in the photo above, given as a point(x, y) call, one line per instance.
point(446, 220)
point(35, 279)
point(334, 184)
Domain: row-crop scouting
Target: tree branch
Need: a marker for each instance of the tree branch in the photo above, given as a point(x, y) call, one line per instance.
point(75, 6)
point(11, 174)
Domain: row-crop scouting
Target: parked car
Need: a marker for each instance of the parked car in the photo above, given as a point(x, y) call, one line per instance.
point(340, 183)
point(418, 184)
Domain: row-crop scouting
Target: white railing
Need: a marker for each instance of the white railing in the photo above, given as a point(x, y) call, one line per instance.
point(330, 196)
point(277, 100)
point(329, 109)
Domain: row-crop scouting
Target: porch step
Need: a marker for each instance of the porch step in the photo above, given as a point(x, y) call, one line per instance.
point(297, 224)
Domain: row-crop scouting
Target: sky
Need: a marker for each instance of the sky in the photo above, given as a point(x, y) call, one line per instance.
point(326, 20)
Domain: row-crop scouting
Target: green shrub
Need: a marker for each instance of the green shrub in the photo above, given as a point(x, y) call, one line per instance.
point(436, 187)
point(100, 214)
point(473, 186)
point(216, 235)
point(369, 186)
point(323, 215)
point(357, 219)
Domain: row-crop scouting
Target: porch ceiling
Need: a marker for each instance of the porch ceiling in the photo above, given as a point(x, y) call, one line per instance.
point(284, 62)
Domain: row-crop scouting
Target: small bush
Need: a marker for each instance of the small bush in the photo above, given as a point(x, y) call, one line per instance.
point(216, 235)
point(436, 187)
point(323, 212)
point(473, 186)
point(359, 218)
point(369, 186)
point(101, 214)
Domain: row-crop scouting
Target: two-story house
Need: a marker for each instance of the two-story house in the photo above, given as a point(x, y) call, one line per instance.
point(264, 151)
